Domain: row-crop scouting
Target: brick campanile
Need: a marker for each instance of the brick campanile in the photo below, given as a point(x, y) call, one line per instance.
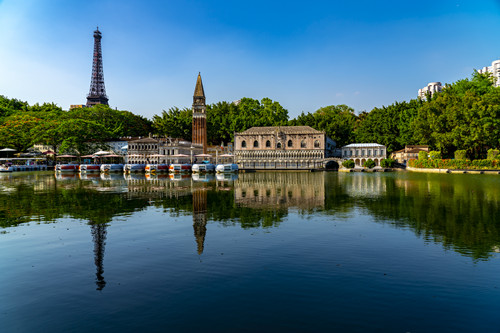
point(199, 116)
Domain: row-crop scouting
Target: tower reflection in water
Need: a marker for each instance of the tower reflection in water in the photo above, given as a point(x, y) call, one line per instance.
point(99, 232)
point(200, 217)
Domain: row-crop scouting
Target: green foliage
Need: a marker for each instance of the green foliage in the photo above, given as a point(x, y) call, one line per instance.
point(223, 119)
point(175, 123)
point(337, 121)
point(387, 163)
point(435, 155)
point(493, 154)
point(15, 131)
point(460, 154)
point(455, 164)
point(423, 155)
point(349, 164)
point(369, 163)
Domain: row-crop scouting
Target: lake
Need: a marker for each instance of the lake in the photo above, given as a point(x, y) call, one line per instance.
point(254, 252)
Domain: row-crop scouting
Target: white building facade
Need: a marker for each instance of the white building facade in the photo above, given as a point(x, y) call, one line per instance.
point(431, 88)
point(493, 69)
point(360, 152)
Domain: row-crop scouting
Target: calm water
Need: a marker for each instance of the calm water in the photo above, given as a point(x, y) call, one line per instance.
point(263, 252)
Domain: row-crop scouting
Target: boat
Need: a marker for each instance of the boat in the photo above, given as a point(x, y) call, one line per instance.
point(203, 167)
point(179, 168)
point(111, 168)
point(90, 167)
point(66, 167)
point(129, 168)
point(6, 168)
point(153, 168)
point(228, 167)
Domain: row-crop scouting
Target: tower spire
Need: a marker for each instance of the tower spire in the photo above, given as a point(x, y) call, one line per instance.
point(97, 93)
point(199, 116)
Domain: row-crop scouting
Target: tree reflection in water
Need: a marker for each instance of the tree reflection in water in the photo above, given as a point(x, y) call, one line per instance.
point(461, 212)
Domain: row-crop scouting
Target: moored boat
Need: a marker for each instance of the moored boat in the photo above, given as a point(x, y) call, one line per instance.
point(6, 168)
point(135, 167)
point(179, 168)
point(153, 168)
point(90, 167)
point(228, 167)
point(203, 167)
point(67, 167)
point(111, 168)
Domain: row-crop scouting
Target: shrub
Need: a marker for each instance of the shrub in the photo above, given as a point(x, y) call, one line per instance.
point(493, 154)
point(435, 155)
point(349, 164)
point(369, 163)
point(423, 155)
point(387, 163)
point(460, 154)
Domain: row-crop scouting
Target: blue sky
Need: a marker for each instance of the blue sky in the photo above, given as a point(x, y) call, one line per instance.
point(304, 55)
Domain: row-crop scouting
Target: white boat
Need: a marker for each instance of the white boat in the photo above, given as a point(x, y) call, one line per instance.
point(112, 168)
point(90, 167)
point(203, 167)
point(70, 167)
point(6, 168)
point(153, 168)
point(179, 168)
point(128, 168)
point(228, 167)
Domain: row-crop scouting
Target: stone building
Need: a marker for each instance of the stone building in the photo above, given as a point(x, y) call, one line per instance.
point(162, 150)
point(282, 147)
point(360, 152)
point(408, 153)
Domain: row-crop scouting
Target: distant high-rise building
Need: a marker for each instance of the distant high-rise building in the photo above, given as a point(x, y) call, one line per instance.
point(97, 93)
point(493, 69)
point(199, 116)
point(431, 88)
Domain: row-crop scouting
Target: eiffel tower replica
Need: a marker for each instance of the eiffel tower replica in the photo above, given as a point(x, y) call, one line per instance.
point(97, 94)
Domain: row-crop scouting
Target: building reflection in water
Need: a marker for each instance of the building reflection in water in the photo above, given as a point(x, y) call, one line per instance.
point(99, 232)
point(281, 189)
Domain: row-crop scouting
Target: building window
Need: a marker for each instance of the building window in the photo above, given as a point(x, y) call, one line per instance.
point(350, 151)
point(268, 144)
point(316, 144)
point(345, 152)
point(290, 143)
point(357, 152)
point(303, 144)
point(256, 144)
point(369, 152)
point(243, 144)
point(278, 145)
point(363, 152)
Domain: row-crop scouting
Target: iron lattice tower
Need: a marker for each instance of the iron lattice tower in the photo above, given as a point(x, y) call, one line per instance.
point(199, 116)
point(97, 93)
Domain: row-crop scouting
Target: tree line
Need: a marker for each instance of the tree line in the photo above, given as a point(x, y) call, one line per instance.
point(464, 116)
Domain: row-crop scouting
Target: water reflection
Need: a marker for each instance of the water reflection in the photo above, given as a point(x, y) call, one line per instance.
point(461, 212)
point(99, 238)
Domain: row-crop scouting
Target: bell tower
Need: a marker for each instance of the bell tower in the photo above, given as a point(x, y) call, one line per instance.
point(199, 116)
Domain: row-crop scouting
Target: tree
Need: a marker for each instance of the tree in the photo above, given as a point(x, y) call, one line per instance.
point(81, 136)
point(369, 163)
point(175, 123)
point(337, 121)
point(15, 131)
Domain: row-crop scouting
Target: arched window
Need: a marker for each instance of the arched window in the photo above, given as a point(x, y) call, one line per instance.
point(303, 144)
point(278, 145)
point(316, 144)
point(290, 143)
point(268, 144)
point(243, 144)
point(256, 144)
